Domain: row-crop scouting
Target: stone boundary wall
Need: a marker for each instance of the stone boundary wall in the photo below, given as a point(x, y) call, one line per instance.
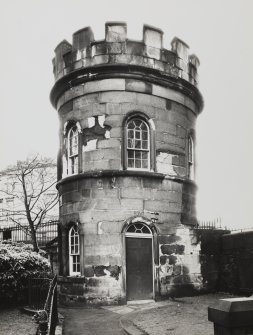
point(237, 263)
point(226, 261)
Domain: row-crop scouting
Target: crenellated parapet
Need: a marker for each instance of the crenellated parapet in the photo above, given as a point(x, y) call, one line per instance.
point(116, 49)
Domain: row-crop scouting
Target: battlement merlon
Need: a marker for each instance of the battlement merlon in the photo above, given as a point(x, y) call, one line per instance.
point(85, 54)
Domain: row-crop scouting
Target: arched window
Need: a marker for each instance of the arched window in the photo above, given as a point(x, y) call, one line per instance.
point(138, 228)
point(73, 150)
point(191, 164)
point(74, 252)
point(138, 144)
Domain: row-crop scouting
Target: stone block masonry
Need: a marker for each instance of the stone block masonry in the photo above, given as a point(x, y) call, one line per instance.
point(127, 111)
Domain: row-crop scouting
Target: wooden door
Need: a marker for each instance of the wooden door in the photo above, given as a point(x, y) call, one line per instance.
point(139, 268)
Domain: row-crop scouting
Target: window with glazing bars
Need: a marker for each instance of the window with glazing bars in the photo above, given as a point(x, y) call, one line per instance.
point(190, 158)
point(74, 252)
point(73, 151)
point(138, 144)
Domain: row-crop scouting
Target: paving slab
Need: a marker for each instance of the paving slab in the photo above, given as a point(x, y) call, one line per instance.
point(170, 317)
point(91, 321)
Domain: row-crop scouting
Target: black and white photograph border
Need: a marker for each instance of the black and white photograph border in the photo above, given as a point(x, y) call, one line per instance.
point(126, 167)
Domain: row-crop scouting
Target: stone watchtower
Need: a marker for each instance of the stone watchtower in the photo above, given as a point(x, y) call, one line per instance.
point(127, 112)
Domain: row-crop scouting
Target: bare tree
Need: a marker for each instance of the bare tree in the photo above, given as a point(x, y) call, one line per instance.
point(31, 186)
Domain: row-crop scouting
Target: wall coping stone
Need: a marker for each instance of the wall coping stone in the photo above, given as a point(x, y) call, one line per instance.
point(232, 313)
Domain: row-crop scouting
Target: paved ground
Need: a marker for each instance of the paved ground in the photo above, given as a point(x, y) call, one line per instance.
point(13, 322)
point(92, 321)
point(182, 316)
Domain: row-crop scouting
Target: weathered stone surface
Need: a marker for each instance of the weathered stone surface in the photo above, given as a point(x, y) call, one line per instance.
point(72, 289)
point(135, 193)
point(110, 79)
point(88, 271)
point(172, 249)
point(167, 239)
point(168, 259)
point(115, 31)
point(162, 206)
point(138, 86)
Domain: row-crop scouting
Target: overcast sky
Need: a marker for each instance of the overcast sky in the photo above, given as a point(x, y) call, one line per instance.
point(219, 32)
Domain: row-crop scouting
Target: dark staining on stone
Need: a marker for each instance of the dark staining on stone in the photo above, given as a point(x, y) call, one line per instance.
point(167, 239)
point(187, 279)
point(172, 259)
point(86, 193)
point(167, 280)
point(72, 289)
point(67, 58)
point(92, 282)
point(89, 271)
point(99, 271)
point(177, 270)
point(168, 249)
point(169, 259)
point(163, 260)
point(185, 270)
point(114, 271)
point(66, 108)
point(168, 104)
point(81, 299)
point(178, 280)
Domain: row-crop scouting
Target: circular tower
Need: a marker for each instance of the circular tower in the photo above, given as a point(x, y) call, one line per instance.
point(127, 112)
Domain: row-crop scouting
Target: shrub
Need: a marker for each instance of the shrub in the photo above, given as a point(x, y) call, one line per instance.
point(18, 263)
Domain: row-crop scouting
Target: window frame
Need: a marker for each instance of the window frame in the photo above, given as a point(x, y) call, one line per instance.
point(66, 156)
point(151, 142)
point(74, 255)
point(191, 158)
point(73, 158)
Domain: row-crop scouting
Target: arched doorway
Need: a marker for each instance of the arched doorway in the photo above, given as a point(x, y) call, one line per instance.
point(139, 262)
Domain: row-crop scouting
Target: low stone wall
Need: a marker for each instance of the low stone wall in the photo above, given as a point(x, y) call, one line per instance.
point(210, 254)
point(237, 263)
point(226, 261)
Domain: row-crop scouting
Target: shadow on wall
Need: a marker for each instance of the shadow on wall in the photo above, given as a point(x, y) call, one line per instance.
point(210, 254)
point(180, 273)
point(179, 283)
point(236, 264)
point(226, 261)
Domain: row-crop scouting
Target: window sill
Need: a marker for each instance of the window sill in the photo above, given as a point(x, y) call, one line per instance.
point(71, 279)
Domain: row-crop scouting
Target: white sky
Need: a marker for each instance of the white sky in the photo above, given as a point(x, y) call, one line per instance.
point(219, 32)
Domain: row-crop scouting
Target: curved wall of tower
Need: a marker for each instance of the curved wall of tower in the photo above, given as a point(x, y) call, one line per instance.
point(127, 112)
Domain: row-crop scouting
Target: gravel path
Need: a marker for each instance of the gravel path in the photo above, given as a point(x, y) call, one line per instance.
point(182, 316)
point(13, 322)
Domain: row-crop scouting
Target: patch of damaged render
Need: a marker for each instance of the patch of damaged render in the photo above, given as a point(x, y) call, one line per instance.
point(103, 270)
point(95, 131)
point(171, 164)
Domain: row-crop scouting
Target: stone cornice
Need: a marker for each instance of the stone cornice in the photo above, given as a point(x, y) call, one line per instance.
point(127, 71)
point(123, 173)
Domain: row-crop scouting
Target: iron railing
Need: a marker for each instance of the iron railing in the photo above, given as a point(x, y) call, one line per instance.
point(46, 232)
point(47, 317)
point(210, 224)
point(37, 292)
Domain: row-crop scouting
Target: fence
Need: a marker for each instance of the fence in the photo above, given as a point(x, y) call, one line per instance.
point(212, 224)
point(37, 292)
point(217, 224)
point(47, 316)
point(46, 232)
